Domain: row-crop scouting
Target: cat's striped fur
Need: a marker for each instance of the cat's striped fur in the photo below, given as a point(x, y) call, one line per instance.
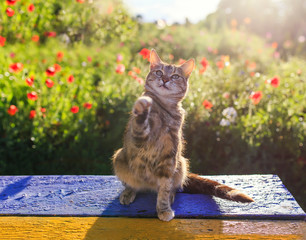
point(151, 157)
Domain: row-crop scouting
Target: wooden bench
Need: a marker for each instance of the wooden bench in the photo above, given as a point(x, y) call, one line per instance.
point(87, 207)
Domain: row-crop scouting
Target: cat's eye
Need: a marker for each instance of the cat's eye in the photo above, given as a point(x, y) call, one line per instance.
point(175, 76)
point(159, 73)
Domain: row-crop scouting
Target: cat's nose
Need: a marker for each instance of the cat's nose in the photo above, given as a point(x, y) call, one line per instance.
point(165, 79)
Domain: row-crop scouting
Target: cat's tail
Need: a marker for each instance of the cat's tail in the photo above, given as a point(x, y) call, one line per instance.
point(197, 184)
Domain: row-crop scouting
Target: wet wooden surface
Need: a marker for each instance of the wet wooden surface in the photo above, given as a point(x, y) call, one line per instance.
point(99, 196)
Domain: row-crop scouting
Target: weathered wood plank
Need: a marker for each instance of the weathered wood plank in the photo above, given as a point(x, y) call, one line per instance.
point(98, 196)
point(135, 228)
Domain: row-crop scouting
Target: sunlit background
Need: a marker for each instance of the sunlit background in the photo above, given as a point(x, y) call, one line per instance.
point(280, 20)
point(172, 11)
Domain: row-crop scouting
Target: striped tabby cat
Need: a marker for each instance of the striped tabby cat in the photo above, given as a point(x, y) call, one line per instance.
point(151, 157)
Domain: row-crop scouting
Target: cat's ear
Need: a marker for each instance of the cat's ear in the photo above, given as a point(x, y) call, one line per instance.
point(154, 59)
point(188, 67)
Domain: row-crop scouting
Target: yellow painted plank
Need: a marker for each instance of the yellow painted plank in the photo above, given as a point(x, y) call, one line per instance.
point(135, 228)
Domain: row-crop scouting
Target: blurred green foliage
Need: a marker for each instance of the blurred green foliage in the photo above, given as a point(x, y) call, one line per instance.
point(92, 37)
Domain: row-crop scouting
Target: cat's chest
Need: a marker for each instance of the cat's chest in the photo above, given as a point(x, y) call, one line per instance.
point(163, 140)
point(152, 156)
point(143, 166)
point(164, 124)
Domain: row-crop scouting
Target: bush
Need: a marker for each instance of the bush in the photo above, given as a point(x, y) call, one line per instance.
point(72, 21)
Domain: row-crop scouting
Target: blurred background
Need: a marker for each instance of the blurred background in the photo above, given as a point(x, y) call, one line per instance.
point(71, 70)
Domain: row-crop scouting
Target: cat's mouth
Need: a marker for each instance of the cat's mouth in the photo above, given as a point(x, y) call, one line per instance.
point(164, 86)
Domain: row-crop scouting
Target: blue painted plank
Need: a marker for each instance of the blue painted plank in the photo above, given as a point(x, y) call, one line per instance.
point(99, 196)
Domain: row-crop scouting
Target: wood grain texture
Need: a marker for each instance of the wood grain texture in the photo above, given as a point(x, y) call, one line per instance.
point(135, 228)
point(98, 196)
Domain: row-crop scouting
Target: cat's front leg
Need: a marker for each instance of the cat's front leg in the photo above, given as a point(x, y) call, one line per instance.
point(140, 125)
point(163, 206)
point(142, 107)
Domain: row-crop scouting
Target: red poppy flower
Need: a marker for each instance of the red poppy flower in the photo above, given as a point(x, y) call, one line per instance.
point(12, 110)
point(110, 9)
point(43, 110)
point(107, 123)
point(74, 109)
point(220, 64)
point(255, 97)
point(49, 83)
point(70, 79)
point(89, 59)
point(31, 7)
point(145, 53)
point(35, 38)
point(204, 62)
point(57, 67)
point(80, 1)
point(273, 81)
point(136, 70)
point(15, 67)
point(274, 45)
point(32, 96)
point(59, 56)
point(132, 74)
point(11, 2)
point(50, 72)
point(202, 70)
point(30, 81)
point(252, 65)
point(50, 34)
point(87, 105)
point(120, 68)
point(2, 41)
point(207, 104)
point(10, 12)
point(139, 80)
point(32, 114)
point(226, 95)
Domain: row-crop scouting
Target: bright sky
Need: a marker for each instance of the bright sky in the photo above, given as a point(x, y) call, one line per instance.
point(172, 10)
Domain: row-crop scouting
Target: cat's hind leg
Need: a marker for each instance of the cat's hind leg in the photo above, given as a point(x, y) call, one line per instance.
point(127, 196)
point(122, 172)
point(172, 196)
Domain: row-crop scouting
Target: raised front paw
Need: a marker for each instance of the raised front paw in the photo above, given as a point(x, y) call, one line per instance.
point(166, 215)
point(142, 105)
point(127, 196)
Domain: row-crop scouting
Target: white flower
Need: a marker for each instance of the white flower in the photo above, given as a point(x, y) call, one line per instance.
point(230, 114)
point(224, 122)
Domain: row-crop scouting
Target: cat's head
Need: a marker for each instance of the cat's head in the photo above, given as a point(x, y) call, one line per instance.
point(166, 80)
